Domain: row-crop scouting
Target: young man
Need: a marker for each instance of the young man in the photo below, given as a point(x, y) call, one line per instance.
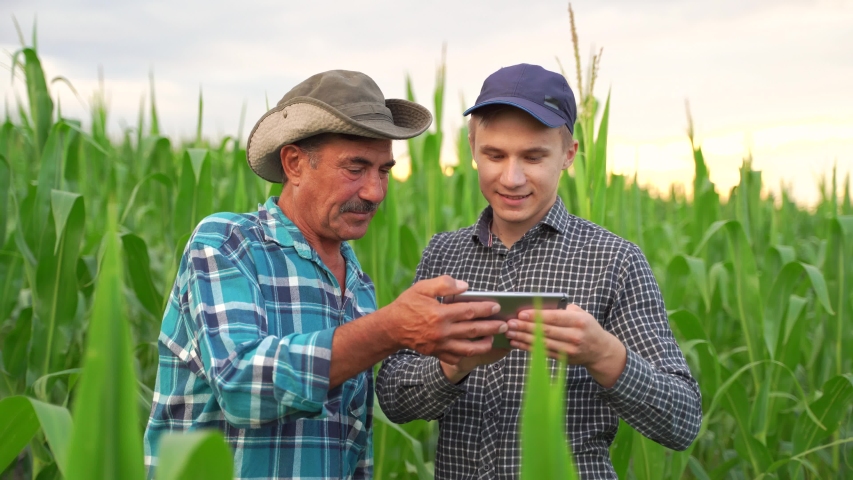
point(624, 362)
point(271, 330)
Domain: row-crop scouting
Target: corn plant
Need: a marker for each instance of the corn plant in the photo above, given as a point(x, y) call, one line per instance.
point(93, 223)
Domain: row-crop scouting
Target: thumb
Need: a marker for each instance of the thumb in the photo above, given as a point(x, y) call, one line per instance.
point(440, 286)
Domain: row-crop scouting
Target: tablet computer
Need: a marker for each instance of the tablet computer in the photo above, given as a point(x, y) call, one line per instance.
point(512, 303)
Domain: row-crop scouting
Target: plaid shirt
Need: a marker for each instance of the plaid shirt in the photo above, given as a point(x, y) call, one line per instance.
point(245, 348)
point(605, 275)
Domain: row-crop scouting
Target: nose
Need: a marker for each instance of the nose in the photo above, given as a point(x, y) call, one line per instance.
point(513, 174)
point(375, 187)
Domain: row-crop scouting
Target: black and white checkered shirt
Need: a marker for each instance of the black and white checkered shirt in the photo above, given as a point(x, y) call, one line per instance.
point(602, 273)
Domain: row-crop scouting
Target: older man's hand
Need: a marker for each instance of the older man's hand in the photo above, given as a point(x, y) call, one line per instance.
point(450, 332)
point(579, 336)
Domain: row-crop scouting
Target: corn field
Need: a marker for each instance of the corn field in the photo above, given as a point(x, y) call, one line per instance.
point(94, 222)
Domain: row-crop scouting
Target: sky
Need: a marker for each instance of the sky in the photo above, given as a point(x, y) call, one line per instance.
point(768, 79)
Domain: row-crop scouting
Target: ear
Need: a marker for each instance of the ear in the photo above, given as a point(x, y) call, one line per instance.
point(292, 164)
point(571, 152)
point(471, 145)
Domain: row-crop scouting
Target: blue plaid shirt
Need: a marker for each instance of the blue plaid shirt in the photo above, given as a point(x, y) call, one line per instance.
point(245, 348)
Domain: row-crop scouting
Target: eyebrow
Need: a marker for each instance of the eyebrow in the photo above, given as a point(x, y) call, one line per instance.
point(528, 151)
point(367, 163)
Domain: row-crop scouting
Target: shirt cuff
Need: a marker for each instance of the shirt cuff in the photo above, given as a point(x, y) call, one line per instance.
point(303, 370)
point(633, 386)
point(437, 383)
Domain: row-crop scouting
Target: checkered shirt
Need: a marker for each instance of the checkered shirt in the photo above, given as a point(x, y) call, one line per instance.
point(245, 348)
point(602, 273)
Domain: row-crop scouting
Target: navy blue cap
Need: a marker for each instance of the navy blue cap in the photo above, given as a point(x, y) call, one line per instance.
point(544, 94)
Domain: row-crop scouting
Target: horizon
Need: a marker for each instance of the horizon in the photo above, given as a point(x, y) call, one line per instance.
point(762, 77)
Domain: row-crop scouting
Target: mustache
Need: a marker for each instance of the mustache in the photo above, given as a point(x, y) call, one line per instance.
point(359, 206)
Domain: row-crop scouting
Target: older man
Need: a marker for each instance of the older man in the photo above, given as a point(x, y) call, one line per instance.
point(271, 328)
point(625, 362)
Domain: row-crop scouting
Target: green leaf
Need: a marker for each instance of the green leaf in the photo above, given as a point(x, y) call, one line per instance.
point(61, 204)
point(20, 419)
point(648, 458)
point(57, 426)
point(41, 105)
point(409, 256)
point(56, 285)
point(15, 344)
point(830, 409)
point(11, 276)
point(783, 288)
point(621, 449)
point(5, 195)
point(106, 441)
point(139, 268)
point(416, 446)
point(195, 191)
point(535, 421)
point(18, 424)
point(681, 269)
point(544, 449)
point(198, 455)
point(708, 376)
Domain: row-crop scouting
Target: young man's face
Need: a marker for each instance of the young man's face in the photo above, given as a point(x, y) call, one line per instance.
point(519, 162)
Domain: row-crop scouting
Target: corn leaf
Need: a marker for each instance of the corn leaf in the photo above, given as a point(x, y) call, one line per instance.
point(198, 455)
point(106, 442)
point(21, 418)
point(56, 283)
point(648, 458)
point(18, 424)
point(5, 196)
point(830, 409)
point(139, 268)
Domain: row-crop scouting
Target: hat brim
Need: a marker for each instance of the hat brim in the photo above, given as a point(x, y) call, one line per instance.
point(303, 117)
point(543, 114)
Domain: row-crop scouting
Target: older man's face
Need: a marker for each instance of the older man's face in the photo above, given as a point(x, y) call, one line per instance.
point(339, 197)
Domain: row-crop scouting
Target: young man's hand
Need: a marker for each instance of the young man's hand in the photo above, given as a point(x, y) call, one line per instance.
point(456, 373)
point(577, 334)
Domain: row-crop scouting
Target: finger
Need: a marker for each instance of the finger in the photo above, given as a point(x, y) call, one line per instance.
point(550, 344)
point(565, 318)
point(464, 311)
point(477, 328)
point(563, 334)
point(440, 286)
point(467, 348)
point(550, 353)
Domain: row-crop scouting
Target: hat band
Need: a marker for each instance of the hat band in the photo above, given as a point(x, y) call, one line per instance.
point(367, 111)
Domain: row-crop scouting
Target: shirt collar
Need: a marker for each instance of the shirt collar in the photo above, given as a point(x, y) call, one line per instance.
point(281, 230)
point(557, 219)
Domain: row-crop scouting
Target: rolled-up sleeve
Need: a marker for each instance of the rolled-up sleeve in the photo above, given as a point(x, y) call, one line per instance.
point(255, 377)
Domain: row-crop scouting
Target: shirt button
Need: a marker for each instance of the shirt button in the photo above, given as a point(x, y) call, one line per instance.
point(496, 366)
point(509, 262)
point(486, 468)
point(490, 414)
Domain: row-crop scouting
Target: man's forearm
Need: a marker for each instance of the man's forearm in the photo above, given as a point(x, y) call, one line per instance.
point(359, 345)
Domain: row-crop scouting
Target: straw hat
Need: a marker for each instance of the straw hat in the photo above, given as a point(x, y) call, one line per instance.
point(337, 101)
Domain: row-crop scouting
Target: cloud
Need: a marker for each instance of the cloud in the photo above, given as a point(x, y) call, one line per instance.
point(745, 65)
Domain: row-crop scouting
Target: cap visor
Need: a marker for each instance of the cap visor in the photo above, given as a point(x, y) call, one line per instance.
point(543, 114)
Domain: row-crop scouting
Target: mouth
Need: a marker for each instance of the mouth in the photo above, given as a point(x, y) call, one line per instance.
point(513, 199)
